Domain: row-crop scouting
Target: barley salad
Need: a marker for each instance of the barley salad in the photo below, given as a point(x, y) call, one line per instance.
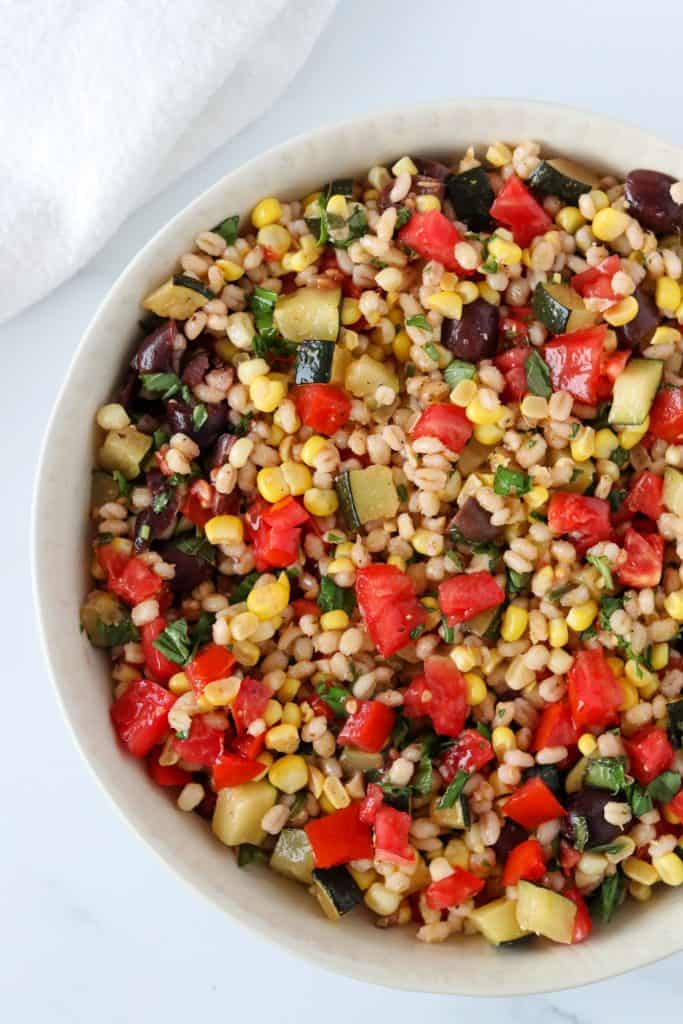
point(389, 518)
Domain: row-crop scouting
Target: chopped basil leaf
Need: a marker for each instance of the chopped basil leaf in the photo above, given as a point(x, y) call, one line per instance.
point(164, 384)
point(241, 428)
point(420, 321)
point(511, 481)
point(122, 484)
point(453, 790)
point(620, 456)
point(417, 632)
point(399, 733)
point(447, 632)
point(422, 780)
point(198, 546)
point(262, 304)
point(606, 773)
point(339, 187)
point(432, 351)
point(202, 630)
point(581, 834)
point(588, 634)
point(602, 565)
point(199, 416)
point(403, 215)
point(616, 500)
point(160, 437)
point(249, 854)
point(639, 799)
point(335, 696)
point(517, 582)
point(483, 730)
point(576, 475)
point(402, 492)
point(490, 266)
point(174, 642)
point(602, 418)
point(243, 589)
point(537, 375)
point(228, 228)
point(182, 734)
point(664, 787)
point(557, 592)
point(609, 897)
point(356, 225)
point(263, 346)
point(399, 797)
point(608, 606)
point(160, 501)
point(111, 634)
point(332, 597)
point(454, 556)
point(458, 370)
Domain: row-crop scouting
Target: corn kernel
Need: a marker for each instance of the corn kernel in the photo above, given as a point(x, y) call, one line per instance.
point(498, 154)
point(270, 599)
point(464, 392)
point(570, 219)
point(289, 689)
point(476, 689)
point(267, 211)
point(640, 892)
point(337, 206)
point(488, 434)
point(272, 713)
point(337, 619)
point(629, 437)
point(312, 448)
point(558, 634)
point(609, 223)
point(457, 854)
point(515, 621)
point(479, 414)
point(581, 616)
point(622, 312)
point(617, 665)
point(583, 446)
point(230, 270)
point(536, 497)
point(404, 166)
point(179, 684)
point(401, 346)
point(673, 604)
point(340, 565)
point(221, 692)
point(587, 744)
point(503, 740)
point(640, 871)
point(464, 657)
point(382, 901)
point(468, 291)
point(396, 560)
point(666, 336)
point(276, 240)
point(334, 790)
point(489, 294)
point(289, 774)
point(426, 203)
point(426, 542)
point(638, 675)
point(667, 295)
point(669, 868)
point(297, 477)
point(271, 484)
point(659, 656)
point(283, 737)
point(350, 312)
point(606, 442)
point(224, 530)
point(449, 304)
point(630, 696)
point(506, 253)
point(266, 393)
point(246, 653)
point(112, 417)
point(291, 714)
point(321, 503)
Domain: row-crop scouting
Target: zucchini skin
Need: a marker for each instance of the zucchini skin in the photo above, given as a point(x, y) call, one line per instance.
point(346, 502)
point(472, 196)
point(182, 281)
point(341, 891)
point(314, 362)
point(548, 180)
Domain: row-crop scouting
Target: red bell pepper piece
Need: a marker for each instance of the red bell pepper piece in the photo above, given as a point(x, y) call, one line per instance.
point(464, 596)
point(596, 282)
point(524, 861)
point(129, 578)
point(250, 703)
point(532, 804)
point(584, 520)
point(391, 836)
point(433, 237)
point(198, 504)
point(211, 663)
point(389, 606)
point(644, 559)
point(323, 407)
point(369, 728)
point(275, 533)
point(285, 514)
point(166, 774)
point(555, 727)
point(203, 746)
point(595, 694)
point(321, 707)
point(140, 715)
point(453, 889)
point(340, 837)
point(470, 753)
point(583, 925)
point(666, 414)
point(515, 208)
point(158, 666)
point(649, 752)
point(304, 606)
point(371, 803)
point(233, 770)
point(575, 361)
point(446, 422)
point(440, 694)
point(248, 746)
point(645, 495)
point(568, 857)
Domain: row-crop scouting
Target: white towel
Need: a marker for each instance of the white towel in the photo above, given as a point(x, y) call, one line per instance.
point(104, 102)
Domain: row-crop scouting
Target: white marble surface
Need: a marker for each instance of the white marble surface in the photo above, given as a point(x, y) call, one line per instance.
point(92, 926)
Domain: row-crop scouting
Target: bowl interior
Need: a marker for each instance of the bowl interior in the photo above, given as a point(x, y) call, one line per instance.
point(277, 909)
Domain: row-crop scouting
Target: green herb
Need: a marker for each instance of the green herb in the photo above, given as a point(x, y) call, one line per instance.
point(228, 228)
point(417, 632)
point(402, 492)
point(432, 351)
point(410, 369)
point(581, 834)
point(400, 732)
point(160, 437)
point(606, 773)
point(447, 632)
point(122, 484)
point(174, 642)
point(602, 418)
point(332, 597)
point(199, 416)
point(182, 734)
point(639, 799)
point(399, 797)
point(620, 456)
point(574, 430)
point(323, 230)
point(198, 546)
point(339, 187)
point(465, 810)
point(517, 582)
point(160, 501)
point(490, 550)
point(483, 730)
point(664, 787)
point(453, 790)
point(249, 854)
point(588, 634)
point(602, 565)
point(557, 592)
point(112, 634)
point(293, 572)
point(403, 215)
point(264, 346)
point(609, 897)
point(262, 305)
point(490, 266)
point(616, 500)
point(145, 531)
point(241, 428)
point(537, 375)
point(356, 226)
point(335, 696)
point(298, 805)
point(674, 712)
point(608, 606)
point(458, 370)
point(420, 321)
point(576, 475)
point(422, 780)
point(334, 538)
point(607, 848)
point(538, 516)
point(454, 556)
point(103, 538)
point(163, 384)
point(243, 589)
point(511, 481)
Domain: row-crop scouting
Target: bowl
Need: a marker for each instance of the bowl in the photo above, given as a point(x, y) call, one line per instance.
point(273, 907)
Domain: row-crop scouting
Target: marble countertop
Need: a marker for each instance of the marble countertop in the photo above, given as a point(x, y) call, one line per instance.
point(93, 927)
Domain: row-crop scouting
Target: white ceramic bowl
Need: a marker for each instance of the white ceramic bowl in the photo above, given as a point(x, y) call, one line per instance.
point(276, 909)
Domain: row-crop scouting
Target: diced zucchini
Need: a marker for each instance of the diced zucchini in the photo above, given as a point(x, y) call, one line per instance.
point(105, 620)
point(575, 776)
point(293, 856)
point(124, 450)
point(472, 196)
point(314, 361)
point(634, 391)
point(672, 495)
point(561, 309)
point(545, 912)
point(353, 760)
point(367, 494)
point(178, 298)
point(365, 375)
point(239, 810)
point(497, 921)
point(103, 488)
point(336, 891)
point(563, 178)
point(308, 314)
point(448, 817)
point(481, 624)
point(340, 364)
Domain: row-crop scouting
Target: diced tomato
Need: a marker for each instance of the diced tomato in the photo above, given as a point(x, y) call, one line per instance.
point(433, 237)
point(446, 422)
point(568, 857)
point(157, 666)
point(198, 504)
point(203, 746)
point(511, 365)
point(515, 208)
point(470, 753)
point(612, 365)
point(666, 414)
point(250, 702)
point(555, 727)
point(304, 606)
point(369, 728)
point(645, 495)
point(322, 407)
point(129, 578)
point(275, 532)
point(596, 282)
point(140, 715)
point(391, 836)
point(532, 804)
point(584, 520)
point(595, 694)
point(583, 925)
point(285, 514)
point(644, 561)
point(575, 361)
point(211, 663)
point(649, 752)
point(371, 803)
point(321, 707)
point(233, 770)
point(340, 837)
point(166, 774)
point(440, 694)
point(248, 746)
point(515, 326)
point(389, 606)
point(524, 861)
point(675, 806)
point(453, 889)
point(112, 560)
point(463, 596)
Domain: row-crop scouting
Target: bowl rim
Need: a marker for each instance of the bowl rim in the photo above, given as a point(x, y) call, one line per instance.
point(336, 963)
